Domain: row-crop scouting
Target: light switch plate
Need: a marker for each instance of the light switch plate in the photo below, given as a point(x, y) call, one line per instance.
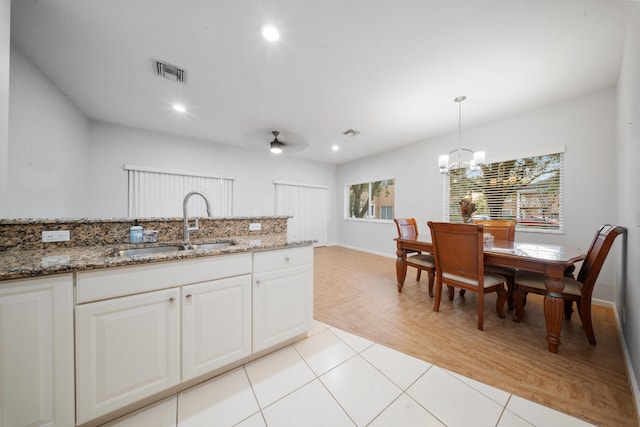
point(255, 226)
point(56, 236)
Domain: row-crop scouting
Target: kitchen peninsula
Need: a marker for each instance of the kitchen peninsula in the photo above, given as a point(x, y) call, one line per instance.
point(146, 325)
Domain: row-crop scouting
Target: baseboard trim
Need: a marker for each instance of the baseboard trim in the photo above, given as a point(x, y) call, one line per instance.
point(627, 360)
point(602, 302)
point(355, 248)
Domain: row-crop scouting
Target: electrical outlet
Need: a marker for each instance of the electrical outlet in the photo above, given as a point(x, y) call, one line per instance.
point(255, 226)
point(56, 236)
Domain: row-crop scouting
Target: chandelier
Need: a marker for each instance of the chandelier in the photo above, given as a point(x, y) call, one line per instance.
point(460, 158)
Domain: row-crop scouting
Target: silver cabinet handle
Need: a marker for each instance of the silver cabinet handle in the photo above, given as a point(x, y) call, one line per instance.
point(257, 282)
point(188, 297)
point(287, 259)
point(172, 299)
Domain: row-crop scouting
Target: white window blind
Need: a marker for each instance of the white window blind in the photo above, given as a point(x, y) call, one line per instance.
point(160, 193)
point(307, 206)
point(528, 189)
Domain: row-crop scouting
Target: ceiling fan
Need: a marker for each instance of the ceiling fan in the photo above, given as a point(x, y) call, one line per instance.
point(276, 145)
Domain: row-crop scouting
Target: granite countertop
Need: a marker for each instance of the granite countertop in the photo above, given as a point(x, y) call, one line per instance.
point(18, 264)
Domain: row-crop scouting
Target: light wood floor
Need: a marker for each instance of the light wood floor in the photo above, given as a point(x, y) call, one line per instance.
point(356, 291)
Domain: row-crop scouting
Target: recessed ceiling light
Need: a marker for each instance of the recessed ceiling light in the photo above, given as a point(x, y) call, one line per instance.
point(179, 108)
point(270, 33)
point(335, 147)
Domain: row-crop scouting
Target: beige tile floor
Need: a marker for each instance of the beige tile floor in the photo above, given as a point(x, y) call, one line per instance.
point(334, 378)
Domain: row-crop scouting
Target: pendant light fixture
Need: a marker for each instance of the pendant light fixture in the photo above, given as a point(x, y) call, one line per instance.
point(460, 158)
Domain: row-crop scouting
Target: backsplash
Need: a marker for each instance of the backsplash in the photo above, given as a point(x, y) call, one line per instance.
point(24, 234)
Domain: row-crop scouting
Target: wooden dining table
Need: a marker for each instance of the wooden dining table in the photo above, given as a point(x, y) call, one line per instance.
point(550, 260)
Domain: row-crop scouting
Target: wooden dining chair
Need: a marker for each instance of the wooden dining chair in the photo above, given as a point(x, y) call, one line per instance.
point(501, 229)
point(578, 290)
point(408, 229)
point(459, 256)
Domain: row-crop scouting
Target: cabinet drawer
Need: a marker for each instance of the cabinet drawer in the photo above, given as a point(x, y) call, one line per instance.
point(283, 258)
point(114, 282)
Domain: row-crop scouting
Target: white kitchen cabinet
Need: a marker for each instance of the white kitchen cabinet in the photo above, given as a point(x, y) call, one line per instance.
point(36, 352)
point(282, 295)
point(144, 329)
point(216, 324)
point(126, 349)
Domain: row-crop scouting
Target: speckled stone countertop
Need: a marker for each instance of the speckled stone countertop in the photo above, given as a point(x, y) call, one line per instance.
point(18, 264)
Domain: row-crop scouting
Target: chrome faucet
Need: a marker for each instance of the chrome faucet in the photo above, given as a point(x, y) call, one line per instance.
point(188, 229)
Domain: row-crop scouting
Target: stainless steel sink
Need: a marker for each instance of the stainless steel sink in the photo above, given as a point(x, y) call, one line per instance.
point(145, 251)
point(137, 252)
point(215, 245)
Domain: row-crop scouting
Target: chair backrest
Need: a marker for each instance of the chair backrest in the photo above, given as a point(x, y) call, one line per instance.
point(407, 228)
point(501, 229)
point(596, 256)
point(458, 248)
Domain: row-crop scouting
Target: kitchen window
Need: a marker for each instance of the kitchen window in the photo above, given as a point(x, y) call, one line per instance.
point(527, 189)
point(374, 200)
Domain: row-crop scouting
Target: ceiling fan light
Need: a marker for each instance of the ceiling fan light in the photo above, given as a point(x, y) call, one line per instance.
point(276, 147)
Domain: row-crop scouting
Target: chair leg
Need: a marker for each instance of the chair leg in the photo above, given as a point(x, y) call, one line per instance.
point(431, 275)
point(519, 297)
point(462, 292)
point(436, 304)
point(568, 309)
point(511, 285)
point(452, 292)
point(418, 275)
point(502, 298)
point(585, 315)
point(480, 310)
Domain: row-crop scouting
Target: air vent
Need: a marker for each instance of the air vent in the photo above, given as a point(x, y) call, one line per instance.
point(169, 71)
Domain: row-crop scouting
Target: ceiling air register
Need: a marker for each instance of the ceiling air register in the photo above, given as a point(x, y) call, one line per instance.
point(169, 71)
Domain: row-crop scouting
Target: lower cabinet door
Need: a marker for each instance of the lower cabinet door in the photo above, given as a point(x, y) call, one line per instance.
point(36, 352)
point(216, 324)
point(126, 349)
point(282, 305)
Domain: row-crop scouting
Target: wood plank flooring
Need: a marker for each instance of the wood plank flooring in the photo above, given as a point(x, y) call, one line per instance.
point(356, 291)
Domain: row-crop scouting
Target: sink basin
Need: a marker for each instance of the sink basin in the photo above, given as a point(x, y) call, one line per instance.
point(146, 251)
point(215, 245)
point(136, 252)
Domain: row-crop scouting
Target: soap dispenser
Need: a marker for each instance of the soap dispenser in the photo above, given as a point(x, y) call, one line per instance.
point(136, 233)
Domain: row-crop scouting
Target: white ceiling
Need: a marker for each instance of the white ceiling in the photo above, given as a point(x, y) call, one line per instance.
point(389, 69)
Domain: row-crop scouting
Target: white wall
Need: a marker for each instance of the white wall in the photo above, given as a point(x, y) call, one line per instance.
point(5, 49)
point(112, 146)
point(627, 294)
point(61, 164)
point(48, 146)
point(585, 125)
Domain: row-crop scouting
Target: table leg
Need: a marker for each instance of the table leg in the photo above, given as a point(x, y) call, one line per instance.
point(553, 311)
point(401, 266)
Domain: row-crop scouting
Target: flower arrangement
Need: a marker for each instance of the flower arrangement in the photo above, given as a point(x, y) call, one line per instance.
point(467, 208)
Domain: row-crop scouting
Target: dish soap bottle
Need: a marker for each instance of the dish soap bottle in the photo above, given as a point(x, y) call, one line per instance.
point(136, 233)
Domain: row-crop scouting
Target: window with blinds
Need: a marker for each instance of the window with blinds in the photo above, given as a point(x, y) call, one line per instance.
point(160, 193)
point(529, 190)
